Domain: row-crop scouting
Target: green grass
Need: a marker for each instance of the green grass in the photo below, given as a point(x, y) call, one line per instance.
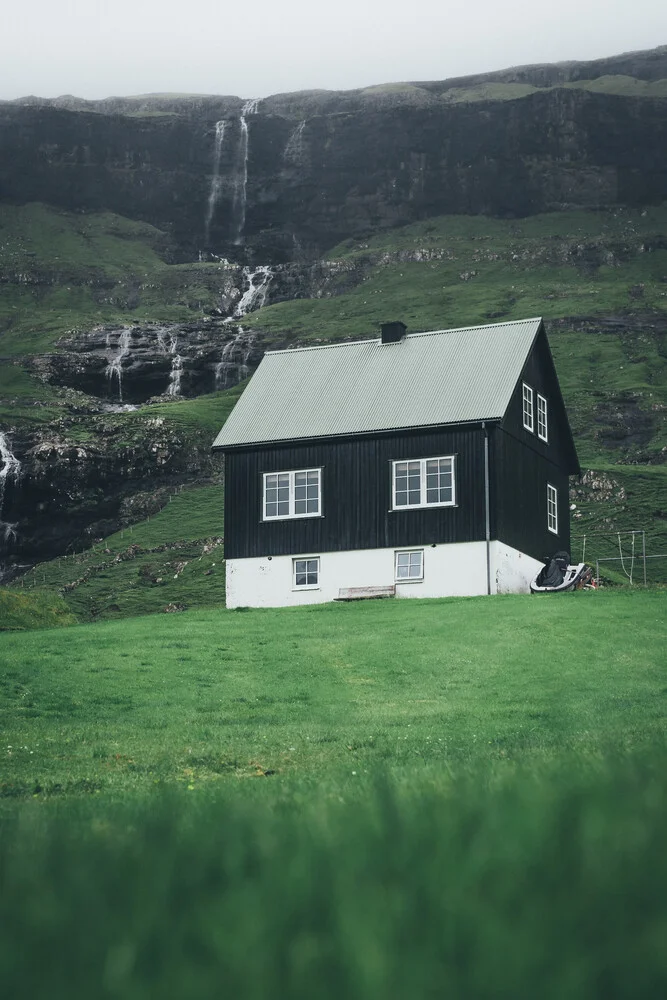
point(208, 694)
point(545, 884)
point(36, 609)
point(402, 799)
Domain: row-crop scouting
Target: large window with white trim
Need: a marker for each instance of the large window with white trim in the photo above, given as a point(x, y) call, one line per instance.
point(542, 426)
point(409, 566)
point(552, 508)
point(292, 494)
point(424, 482)
point(528, 414)
point(306, 573)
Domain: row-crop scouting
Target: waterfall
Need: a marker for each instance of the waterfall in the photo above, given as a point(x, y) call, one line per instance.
point(216, 180)
point(115, 367)
point(233, 365)
point(11, 470)
point(294, 149)
point(174, 387)
point(241, 184)
point(255, 294)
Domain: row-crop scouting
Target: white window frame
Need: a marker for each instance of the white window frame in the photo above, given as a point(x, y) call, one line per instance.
point(422, 482)
point(292, 473)
point(542, 419)
point(305, 586)
point(408, 579)
point(552, 509)
point(528, 408)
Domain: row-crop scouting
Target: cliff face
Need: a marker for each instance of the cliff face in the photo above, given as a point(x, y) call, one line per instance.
point(289, 177)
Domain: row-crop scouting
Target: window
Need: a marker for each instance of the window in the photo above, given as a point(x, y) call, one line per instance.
point(424, 482)
point(552, 508)
point(409, 566)
point(528, 419)
point(305, 573)
point(292, 494)
point(542, 430)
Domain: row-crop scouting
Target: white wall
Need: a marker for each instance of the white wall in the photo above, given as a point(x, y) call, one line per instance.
point(449, 570)
point(511, 570)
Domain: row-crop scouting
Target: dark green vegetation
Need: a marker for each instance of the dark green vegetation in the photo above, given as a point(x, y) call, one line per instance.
point(396, 799)
point(33, 609)
point(171, 560)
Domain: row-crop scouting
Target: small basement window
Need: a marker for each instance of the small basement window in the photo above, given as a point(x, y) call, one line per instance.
point(292, 494)
point(542, 428)
point(409, 566)
point(425, 482)
point(528, 415)
point(552, 508)
point(306, 573)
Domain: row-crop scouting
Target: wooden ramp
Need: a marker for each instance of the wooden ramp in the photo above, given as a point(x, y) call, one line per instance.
point(364, 593)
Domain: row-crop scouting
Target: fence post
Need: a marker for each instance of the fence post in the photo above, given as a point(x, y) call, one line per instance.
point(597, 570)
point(644, 554)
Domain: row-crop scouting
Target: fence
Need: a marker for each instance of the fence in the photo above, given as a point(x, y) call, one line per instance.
point(626, 553)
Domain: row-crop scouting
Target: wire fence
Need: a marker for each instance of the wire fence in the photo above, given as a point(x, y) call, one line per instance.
point(627, 554)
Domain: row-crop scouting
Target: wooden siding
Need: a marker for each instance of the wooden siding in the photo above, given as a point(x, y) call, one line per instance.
point(540, 374)
point(356, 495)
point(520, 475)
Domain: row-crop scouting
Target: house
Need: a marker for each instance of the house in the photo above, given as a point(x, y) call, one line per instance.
point(433, 463)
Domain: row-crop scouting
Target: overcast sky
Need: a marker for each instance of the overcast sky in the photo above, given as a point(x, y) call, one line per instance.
point(253, 48)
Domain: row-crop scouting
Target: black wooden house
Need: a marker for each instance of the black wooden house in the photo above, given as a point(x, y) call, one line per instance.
point(428, 464)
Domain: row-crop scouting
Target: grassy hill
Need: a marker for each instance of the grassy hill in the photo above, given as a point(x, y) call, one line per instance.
point(367, 800)
point(598, 277)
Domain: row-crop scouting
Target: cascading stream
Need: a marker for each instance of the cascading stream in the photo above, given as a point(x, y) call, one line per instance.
point(255, 294)
point(174, 387)
point(216, 180)
point(233, 365)
point(10, 471)
point(114, 370)
point(241, 185)
point(294, 149)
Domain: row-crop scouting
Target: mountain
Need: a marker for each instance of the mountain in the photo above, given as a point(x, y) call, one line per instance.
point(152, 248)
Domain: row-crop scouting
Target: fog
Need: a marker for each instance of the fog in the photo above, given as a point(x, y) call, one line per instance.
point(97, 49)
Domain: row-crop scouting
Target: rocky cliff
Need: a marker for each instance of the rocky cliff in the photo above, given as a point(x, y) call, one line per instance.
point(290, 176)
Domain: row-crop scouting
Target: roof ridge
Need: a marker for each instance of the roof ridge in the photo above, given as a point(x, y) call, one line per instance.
point(408, 336)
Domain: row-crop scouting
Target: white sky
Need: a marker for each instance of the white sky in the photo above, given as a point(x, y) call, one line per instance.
point(253, 48)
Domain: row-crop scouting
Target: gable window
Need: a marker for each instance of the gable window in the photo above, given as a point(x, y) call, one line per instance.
point(424, 482)
point(528, 416)
point(409, 566)
point(305, 573)
point(552, 508)
point(542, 429)
point(292, 494)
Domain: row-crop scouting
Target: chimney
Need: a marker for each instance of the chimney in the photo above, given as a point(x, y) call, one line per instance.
point(393, 332)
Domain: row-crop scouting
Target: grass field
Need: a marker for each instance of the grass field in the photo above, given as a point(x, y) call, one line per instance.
point(411, 799)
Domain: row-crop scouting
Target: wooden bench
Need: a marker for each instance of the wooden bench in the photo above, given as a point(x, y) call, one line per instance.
point(364, 593)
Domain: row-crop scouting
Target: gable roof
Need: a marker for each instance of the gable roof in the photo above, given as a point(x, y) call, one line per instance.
point(426, 379)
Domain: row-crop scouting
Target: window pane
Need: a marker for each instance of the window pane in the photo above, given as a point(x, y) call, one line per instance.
point(409, 565)
point(301, 579)
point(283, 508)
point(271, 509)
point(312, 506)
point(401, 498)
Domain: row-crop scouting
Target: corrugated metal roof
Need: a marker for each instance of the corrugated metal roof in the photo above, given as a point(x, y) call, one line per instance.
point(439, 377)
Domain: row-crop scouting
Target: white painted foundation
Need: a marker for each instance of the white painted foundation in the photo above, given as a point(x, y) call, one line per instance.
point(449, 571)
